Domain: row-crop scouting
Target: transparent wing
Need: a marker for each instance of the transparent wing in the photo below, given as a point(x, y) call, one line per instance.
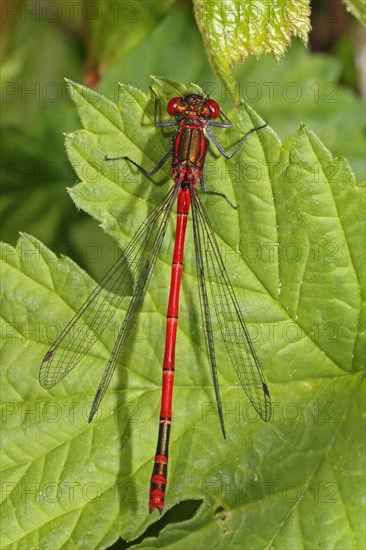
point(99, 308)
point(227, 315)
point(134, 307)
point(204, 302)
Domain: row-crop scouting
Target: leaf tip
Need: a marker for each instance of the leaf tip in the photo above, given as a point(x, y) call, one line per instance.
point(71, 85)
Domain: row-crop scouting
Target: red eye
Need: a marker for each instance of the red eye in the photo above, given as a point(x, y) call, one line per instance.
point(214, 107)
point(172, 105)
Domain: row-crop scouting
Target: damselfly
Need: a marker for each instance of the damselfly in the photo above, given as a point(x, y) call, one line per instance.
point(195, 116)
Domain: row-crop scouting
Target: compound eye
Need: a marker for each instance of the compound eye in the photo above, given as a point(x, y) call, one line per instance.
point(214, 108)
point(172, 105)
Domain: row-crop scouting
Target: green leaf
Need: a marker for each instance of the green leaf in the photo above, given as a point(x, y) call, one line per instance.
point(232, 31)
point(357, 8)
point(294, 252)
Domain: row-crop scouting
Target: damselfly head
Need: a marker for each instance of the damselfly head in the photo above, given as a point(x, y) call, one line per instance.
point(193, 105)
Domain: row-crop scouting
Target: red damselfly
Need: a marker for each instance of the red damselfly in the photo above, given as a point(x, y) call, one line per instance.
point(195, 116)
